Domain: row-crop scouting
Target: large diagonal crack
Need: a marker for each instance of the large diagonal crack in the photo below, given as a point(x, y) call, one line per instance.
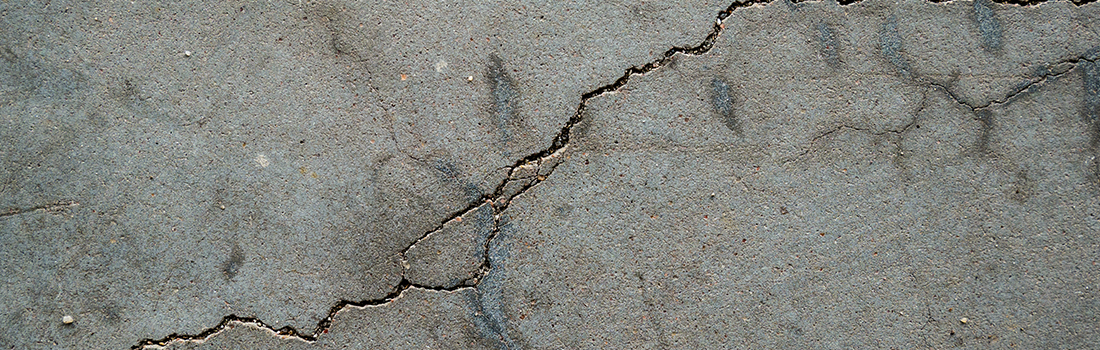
point(526, 172)
point(523, 175)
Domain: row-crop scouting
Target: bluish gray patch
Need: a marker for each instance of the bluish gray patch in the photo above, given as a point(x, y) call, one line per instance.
point(505, 96)
point(234, 263)
point(1091, 83)
point(1090, 109)
point(989, 27)
point(488, 302)
point(723, 104)
point(1023, 187)
point(28, 73)
point(449, 173)
point(984, 117)
point(1041, 71)
point(793, 6)
point(484, 219)
point(890, 42)
point(828, 44)
point(1092, 54)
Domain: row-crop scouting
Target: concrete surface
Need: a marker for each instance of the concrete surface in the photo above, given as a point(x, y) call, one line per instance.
point(337, 174)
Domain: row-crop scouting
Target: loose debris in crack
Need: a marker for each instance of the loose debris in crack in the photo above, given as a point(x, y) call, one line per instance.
point(525, 174)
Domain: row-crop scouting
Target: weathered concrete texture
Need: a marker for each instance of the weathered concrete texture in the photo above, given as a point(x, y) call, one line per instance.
point(768, 196)
point(452, 256)
point(890, 174)
point(478, 85)
point(194, 160)
point(416, 320)
point(239, 180)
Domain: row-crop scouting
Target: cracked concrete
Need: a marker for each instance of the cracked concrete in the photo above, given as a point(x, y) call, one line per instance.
point(474, 175)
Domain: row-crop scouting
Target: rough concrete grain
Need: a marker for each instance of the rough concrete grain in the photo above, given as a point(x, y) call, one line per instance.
point(343, 174)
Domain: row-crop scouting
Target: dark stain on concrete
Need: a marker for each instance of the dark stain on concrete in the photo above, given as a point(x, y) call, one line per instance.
point(792, 5)
point(27, 75)
point(504, 96)
point(1022, 188)
point(1090, 109)
point(984, 117)
point(450, 173)
point(485, 224)
point(828, 44)
point(989, 27)
point(128, 93)
point(347, 36)
point(1090, 114)
point(891, 48)
point(234, 263)
point(723, 103)
point(488, 304)
point(651, 293)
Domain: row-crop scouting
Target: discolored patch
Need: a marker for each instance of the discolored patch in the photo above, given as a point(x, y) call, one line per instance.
point(828, 44)
point(25, 75)
point(723, 103)
point(891, 49)
point(1090, 108)
point(449, 173)
point(488, 305)
point(1090, 113)
point(349, 36)
point(504, 96)
point(1022, 188)
point(989, 27)
point(986, 119)
point(234, 263)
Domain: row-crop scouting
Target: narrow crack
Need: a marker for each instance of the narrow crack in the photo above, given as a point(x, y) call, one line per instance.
point(1051, 71)
point(533, 169)
point(897, 131)
point(55, 207)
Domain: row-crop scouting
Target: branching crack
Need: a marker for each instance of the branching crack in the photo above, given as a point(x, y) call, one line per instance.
point(523, 175)
point(1052, 71)
point(897, 131)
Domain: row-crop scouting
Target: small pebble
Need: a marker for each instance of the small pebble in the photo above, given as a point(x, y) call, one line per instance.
point(470, 78)
point(67, 319)
point(964, 320)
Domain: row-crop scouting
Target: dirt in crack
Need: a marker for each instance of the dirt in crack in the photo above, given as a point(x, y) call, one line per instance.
point(524, 174)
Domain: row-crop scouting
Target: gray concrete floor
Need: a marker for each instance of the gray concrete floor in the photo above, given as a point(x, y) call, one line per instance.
point(337, 174)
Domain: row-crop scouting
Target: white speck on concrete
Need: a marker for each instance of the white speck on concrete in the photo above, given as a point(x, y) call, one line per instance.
point(186, 53)
point(262, 160)
point(67, 319)
point(440, 65)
